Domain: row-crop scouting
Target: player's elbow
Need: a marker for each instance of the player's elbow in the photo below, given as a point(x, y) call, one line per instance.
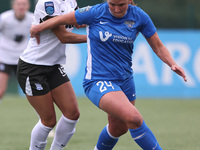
point(63, 41)
point(66, 41)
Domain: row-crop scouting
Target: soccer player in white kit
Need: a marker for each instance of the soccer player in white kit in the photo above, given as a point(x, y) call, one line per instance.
point(14, 36)
point(43, 79)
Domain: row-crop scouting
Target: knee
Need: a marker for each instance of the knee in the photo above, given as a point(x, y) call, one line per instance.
point(134, 121)
point(74, 115)
point(49, 122)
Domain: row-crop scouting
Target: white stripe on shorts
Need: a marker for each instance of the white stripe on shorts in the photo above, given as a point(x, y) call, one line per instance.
point(28, 89)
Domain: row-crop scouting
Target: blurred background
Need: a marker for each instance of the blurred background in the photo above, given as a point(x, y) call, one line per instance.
point(178, 24)
point(179, 14)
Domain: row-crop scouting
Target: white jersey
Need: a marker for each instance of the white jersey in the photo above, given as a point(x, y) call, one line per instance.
point(50, 51)
point(14, 36)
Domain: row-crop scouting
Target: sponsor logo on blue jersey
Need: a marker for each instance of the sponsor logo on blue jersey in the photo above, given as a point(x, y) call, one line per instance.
point(84, 9)
point(107, 35)
point(49, 7)
point(115, 38)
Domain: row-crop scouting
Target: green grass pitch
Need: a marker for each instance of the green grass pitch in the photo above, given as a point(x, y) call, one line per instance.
point(175, 123)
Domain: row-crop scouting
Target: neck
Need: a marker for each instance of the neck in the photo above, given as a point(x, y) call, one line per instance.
point(19, 17)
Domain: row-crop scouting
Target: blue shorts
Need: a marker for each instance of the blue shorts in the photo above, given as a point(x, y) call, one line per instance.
point(95, 89)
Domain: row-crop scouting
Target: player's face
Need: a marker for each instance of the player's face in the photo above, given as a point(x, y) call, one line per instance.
point(20, 7)
point(118, 7)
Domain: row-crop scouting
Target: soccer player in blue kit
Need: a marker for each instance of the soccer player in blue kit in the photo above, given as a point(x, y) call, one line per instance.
point(112, 28)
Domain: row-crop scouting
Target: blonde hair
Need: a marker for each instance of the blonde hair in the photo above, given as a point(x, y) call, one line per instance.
point(132, 2)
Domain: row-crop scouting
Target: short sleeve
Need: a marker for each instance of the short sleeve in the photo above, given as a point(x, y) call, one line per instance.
point(147, 27)
point(85, 15)
point(47, 8)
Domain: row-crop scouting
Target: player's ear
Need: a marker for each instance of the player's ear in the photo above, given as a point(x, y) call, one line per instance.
point(12, 4)
point(29, 5)
point(131, 2)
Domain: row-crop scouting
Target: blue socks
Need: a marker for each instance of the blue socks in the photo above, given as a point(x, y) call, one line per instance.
point(142, 136)
point(106, 141)
point(145, 138)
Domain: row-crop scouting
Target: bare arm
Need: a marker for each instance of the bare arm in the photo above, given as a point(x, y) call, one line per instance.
point(68, 37)
point(67, 19)
point(163, 53)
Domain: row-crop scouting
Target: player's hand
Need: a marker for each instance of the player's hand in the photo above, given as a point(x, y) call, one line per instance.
point(179, 71)
point(80, 26)
point(37, 36)
point(34, 33)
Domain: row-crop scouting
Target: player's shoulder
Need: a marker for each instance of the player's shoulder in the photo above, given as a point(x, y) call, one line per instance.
point(48, 2)
point(101, 6)
point(73, 1)
point(98, 8)
point(7, 13)
point(70, 3)
point(42, 5)
point(137, 11)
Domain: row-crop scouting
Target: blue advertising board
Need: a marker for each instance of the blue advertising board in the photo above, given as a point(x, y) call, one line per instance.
point(153, 78)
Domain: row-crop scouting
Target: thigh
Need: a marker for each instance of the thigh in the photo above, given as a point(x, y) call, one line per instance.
point(3, 82)
point(118, 105)
point(65, 98)
point(117, 127)
point(3, 78)
point(43, 105)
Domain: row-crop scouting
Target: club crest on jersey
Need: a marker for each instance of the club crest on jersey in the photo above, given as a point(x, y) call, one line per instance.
point(38, 86)
point(49, 7)
point(129, 23)
point(84, 9)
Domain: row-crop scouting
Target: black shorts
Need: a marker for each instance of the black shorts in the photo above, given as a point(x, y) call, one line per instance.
point(8, 68)
point(38, 80)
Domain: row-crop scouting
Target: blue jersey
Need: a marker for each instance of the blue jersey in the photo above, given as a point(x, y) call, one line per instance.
point(110, 40)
